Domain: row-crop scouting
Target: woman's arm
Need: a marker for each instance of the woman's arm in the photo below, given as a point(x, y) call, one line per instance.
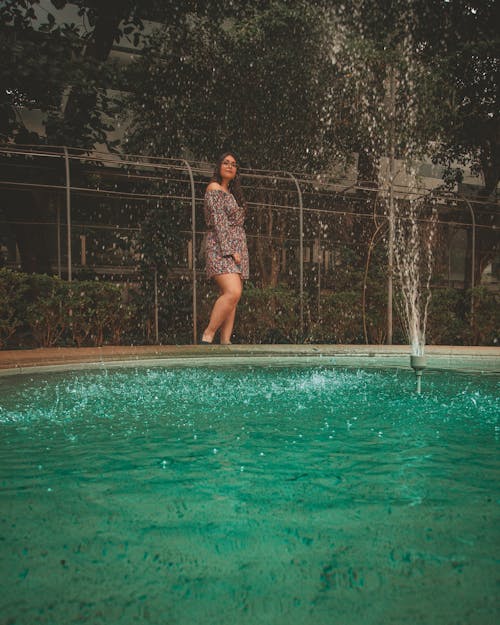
point(215, 202)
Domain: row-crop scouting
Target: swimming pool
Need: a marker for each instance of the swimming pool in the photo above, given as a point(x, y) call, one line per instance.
point(249, 494)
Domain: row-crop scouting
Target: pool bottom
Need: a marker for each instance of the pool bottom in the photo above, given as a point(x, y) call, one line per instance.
point(301, 510)
point(213, 562)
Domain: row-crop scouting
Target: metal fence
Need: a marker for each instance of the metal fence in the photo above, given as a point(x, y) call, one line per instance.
point(79, 216)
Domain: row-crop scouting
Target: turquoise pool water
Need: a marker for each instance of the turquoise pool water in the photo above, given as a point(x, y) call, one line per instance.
point(249, 495)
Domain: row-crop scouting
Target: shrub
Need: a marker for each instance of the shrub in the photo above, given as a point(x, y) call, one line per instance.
point(48, 314)
point(13, 289)
point(485, 320)
point(341, 319)
point(82, 311)
point(112, 315)
point(58, 312)
point(176, 311)
point(446, 323)
point(97, 313)
point(268, 315)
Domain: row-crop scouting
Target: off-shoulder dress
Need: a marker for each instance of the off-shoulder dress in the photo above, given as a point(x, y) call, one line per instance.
point(226, 235)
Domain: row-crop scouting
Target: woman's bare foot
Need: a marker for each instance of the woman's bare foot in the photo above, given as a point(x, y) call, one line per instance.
point(207, 337)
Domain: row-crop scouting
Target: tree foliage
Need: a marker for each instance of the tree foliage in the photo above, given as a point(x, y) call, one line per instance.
point(446, 63)
point(258, 85)
point(60, 68)
point(34, 69)
point(289, 84)
point(463, 48)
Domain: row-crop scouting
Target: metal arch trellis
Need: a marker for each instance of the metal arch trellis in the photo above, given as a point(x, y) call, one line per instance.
point(166, 167)
point(193, 247)
point(68, 211)
point(301, 253)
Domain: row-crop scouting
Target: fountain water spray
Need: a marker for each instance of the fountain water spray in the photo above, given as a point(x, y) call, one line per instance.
point(415, 229)
point(379, 54)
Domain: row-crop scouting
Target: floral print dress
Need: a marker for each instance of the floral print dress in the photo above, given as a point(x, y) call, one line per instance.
point(226, 235)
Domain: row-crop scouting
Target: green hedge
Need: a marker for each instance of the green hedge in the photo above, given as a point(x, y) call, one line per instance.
point(464, 317)
point(13, 297)
point(38, 310)
point(447, 319)
point(484, 317)
point(269, 315)
point(44, 311)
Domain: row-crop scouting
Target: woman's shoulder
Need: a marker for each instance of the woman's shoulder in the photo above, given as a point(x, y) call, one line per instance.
point(215, 186)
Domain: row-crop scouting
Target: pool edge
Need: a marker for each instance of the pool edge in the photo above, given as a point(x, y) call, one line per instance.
point(456, 358)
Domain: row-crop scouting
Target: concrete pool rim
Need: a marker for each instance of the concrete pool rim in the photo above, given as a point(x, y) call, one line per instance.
point(474, 360)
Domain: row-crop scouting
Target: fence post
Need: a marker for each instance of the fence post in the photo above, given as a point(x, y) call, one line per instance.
point(58, 240)
point(68, 210)
point(390, 250)
point(473, 255)
point(193, 243)
point(301, 254)
point(157, 329)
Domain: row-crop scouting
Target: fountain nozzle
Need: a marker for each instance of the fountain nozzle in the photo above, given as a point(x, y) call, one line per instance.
point(418, 364)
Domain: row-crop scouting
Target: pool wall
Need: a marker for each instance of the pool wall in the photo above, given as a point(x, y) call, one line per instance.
point(457, 358)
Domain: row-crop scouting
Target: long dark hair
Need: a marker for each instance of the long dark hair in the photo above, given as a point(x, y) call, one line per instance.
point(235, 184)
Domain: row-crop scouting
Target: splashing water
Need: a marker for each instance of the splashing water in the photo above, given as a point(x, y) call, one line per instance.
point(379, 52)
point(286, 495)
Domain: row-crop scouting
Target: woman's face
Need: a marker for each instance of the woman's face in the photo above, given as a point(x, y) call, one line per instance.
point(228, 167)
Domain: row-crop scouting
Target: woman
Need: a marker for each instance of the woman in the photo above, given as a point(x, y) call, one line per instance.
point(226, 246)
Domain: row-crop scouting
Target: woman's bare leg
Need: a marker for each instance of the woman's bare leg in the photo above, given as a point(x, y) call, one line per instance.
point(226, 329)
point(224, 309)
